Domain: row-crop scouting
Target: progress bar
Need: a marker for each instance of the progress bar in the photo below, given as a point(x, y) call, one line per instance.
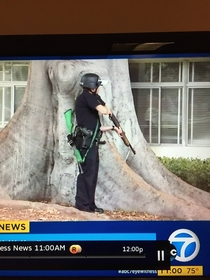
point(71, 257)
point(78, 237)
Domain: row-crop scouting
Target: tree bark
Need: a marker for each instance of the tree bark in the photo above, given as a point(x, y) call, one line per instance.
point(38, 165)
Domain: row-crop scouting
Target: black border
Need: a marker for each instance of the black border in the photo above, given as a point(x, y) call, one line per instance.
point(102, 44)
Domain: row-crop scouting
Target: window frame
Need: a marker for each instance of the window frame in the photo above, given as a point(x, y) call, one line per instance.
point(10, 84)
point(184, 84)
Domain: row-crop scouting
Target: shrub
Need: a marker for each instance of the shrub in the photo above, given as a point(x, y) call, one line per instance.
point(194, 171)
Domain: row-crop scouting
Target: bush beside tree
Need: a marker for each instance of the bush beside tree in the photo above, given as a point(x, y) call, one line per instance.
point(194, 171)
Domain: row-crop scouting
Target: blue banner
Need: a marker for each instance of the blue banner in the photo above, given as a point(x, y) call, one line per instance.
point(189, 240)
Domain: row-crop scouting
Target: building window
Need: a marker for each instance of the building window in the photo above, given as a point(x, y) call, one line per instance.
point(159, 114)
point(13, 71)
point(172, 100)
point(13, 79)
point(199, 116)
point(199, 71)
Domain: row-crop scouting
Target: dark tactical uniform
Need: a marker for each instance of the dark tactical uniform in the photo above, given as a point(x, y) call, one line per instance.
point(87, 117)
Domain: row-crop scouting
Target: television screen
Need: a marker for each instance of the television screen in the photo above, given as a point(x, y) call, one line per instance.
point(105, 155)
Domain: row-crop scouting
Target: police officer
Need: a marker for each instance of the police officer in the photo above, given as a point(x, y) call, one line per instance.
point(88, 105)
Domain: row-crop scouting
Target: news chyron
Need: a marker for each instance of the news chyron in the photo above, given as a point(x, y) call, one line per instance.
point(65, 243)
point(14, 226)
point(128, 248)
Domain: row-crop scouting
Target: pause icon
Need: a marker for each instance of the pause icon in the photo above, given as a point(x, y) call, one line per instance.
point(160, 255)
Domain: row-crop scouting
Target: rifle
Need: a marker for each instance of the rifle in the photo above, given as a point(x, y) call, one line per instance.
point(123, 136)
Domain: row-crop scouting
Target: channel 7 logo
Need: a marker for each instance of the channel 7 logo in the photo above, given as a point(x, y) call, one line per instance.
point(186, 245)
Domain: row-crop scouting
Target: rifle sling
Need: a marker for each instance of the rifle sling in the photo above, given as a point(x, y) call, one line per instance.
point(92, 140)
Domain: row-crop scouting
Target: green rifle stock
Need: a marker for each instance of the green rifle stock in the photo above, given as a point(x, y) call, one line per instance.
point(123, 136)
point(69, 124)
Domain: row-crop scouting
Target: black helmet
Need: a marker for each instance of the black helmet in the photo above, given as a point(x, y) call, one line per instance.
point(90, 81)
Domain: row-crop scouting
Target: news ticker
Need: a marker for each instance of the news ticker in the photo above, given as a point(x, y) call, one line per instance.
point(85, 255)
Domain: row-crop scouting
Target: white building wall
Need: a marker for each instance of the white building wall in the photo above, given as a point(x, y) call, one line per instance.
point(178, 151)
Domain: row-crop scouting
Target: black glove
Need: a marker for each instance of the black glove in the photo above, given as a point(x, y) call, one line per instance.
point(70, 139)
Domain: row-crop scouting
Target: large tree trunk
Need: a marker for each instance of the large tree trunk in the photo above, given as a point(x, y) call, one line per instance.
point(37, 164)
